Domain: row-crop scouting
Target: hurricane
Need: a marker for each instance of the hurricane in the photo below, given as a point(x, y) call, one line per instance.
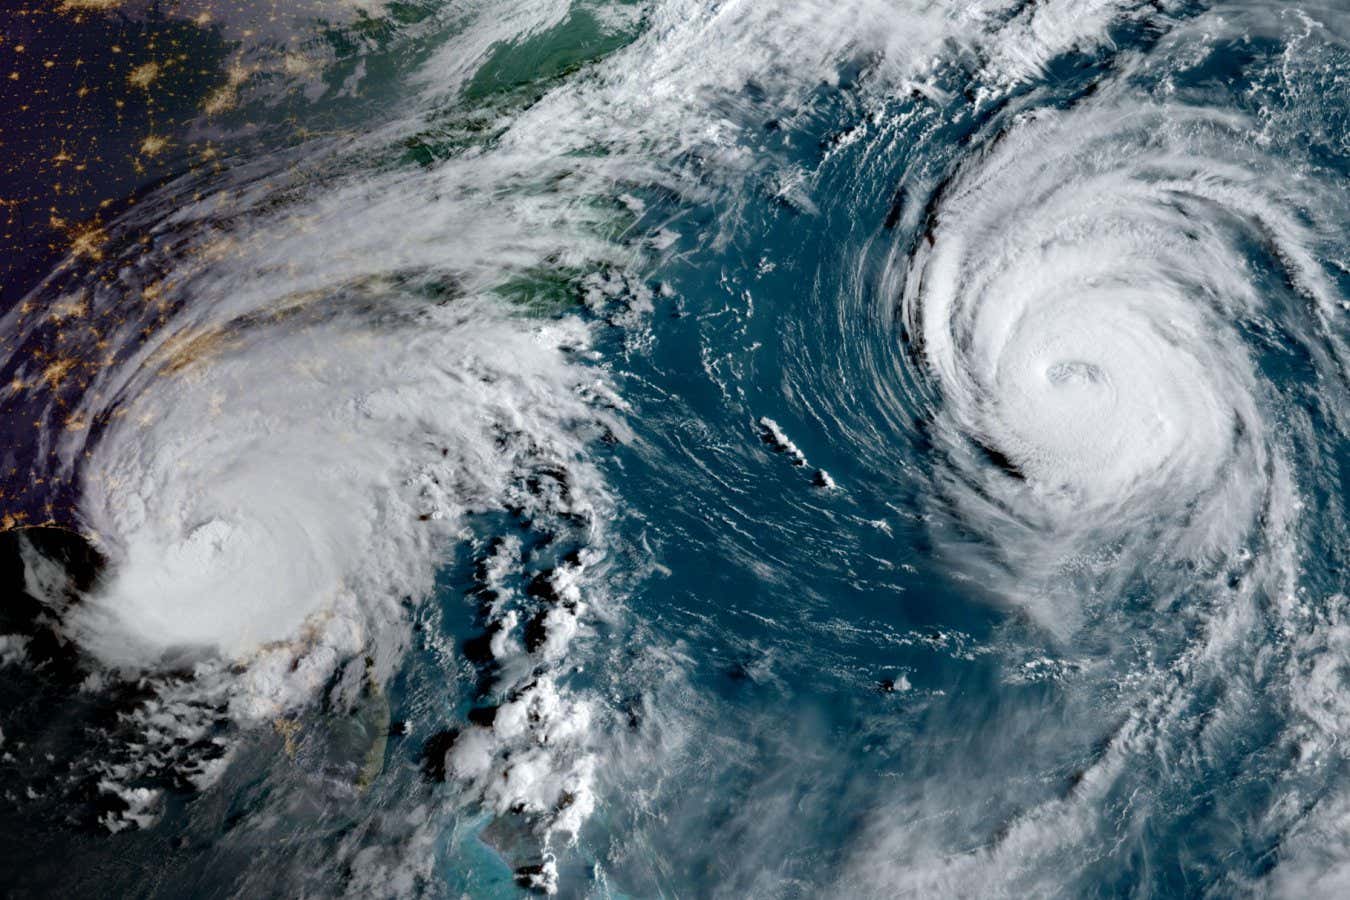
point(597, 448)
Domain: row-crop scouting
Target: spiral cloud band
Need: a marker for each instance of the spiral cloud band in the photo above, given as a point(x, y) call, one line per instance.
point(1095, 350)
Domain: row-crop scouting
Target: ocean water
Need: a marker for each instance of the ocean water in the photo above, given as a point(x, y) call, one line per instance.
point(682, 448)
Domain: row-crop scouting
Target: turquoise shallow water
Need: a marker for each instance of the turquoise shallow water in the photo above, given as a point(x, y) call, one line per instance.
point(687, 449)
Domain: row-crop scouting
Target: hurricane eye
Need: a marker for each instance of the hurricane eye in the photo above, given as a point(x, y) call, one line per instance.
point(1074, 372)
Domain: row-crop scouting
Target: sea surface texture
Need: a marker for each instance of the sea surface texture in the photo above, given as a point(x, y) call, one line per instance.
point(675, 448)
